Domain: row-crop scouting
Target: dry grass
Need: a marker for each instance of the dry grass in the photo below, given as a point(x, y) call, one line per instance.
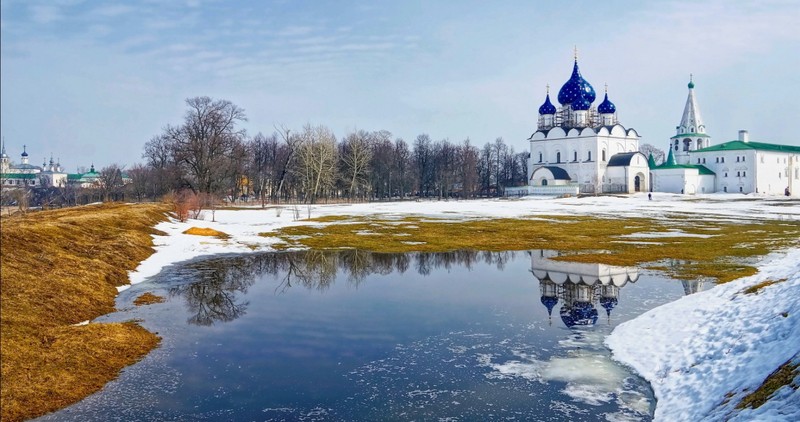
point(757, 288)
point(59, 268)
point(201, 231)
point(148, 299)
point(720, 256)
point(782, 376)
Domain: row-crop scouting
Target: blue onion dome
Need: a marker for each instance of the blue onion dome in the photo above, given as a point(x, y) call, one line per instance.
point(581, 103)
point(581, 313)
point(549, 302)
point(547, 107)
point(24, 151)
point(574, 87)
point(608, 303)
point(606, 107)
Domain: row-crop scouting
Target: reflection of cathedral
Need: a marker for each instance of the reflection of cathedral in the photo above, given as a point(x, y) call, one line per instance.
point(579, 286)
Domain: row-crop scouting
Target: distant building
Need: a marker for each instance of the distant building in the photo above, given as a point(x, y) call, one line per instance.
point(50, 174)
point(18, 175)
point(582, 148)
point(693, 165)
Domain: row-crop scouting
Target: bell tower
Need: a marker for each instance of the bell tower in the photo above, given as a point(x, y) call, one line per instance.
point(691, 132)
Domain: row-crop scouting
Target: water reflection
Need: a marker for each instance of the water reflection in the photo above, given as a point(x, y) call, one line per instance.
point(580, 287)
point(218, 284)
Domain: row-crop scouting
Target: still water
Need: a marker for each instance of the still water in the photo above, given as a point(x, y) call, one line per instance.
point(359, 336)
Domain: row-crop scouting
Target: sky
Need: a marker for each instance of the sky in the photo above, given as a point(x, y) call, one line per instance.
point(93, 81)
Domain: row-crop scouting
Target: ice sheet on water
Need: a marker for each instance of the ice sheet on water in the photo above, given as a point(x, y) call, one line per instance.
point(505, 376)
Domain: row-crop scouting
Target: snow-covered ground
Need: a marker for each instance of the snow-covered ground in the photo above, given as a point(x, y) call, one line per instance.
point(701, 353)
point(693, 351)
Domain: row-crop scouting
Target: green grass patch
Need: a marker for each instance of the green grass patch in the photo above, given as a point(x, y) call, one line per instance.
point(719, 254)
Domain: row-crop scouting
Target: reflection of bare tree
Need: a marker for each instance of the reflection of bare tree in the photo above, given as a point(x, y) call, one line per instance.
point(215, 296)
point(358, 264)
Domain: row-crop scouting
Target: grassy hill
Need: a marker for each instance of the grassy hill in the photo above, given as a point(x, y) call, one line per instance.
point(59, 268)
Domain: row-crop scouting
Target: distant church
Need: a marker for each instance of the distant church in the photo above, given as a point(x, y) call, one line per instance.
point(693, 165)
point(26, 175)
point(582, 148)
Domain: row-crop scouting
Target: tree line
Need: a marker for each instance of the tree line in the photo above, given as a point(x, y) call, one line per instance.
point(210, 154)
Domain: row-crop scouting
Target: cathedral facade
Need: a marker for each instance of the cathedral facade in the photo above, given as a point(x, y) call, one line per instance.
point(580, 147)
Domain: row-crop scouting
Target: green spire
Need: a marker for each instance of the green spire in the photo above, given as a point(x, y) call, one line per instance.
point(670, 159)
point(651, 162)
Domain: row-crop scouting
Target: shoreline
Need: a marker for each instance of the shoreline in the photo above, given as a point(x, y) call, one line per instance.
point(704, 353)
point(244, 227)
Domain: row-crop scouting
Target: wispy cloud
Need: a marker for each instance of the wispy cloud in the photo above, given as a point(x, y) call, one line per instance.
point(44, 14)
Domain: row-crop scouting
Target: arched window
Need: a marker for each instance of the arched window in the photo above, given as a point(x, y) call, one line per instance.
point(575, 154)
point(724, 188)
point(604, 155)
point(740, 189)
point(558, 157)
point(540, 157)
point(544, 182)
point(590, 156)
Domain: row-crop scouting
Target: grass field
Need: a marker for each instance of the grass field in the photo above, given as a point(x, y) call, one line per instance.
point(60, 268)
point(718, 250)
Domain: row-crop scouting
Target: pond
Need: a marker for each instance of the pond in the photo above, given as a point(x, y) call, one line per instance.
point(354, 335)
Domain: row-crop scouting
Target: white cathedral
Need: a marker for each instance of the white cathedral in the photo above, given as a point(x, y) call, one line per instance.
point(582, 148)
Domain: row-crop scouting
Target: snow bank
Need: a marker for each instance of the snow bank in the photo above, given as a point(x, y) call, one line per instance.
point(701, 352)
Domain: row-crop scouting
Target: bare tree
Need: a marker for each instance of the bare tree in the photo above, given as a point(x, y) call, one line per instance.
point(356, 156)
point(423, 159)
point(468, 164)
point(141, 176)
point(317, 161)
point(647, 149)
point(204, 144)
point(110, 182)
point(292, 143)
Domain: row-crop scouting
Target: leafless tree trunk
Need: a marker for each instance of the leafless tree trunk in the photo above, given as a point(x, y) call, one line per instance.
point(356, 158)
point(317, 160)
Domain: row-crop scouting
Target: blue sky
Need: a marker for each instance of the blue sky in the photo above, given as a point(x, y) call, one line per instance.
point(93, 81)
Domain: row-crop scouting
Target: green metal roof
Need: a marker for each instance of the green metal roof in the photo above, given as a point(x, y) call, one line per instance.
point(74, 176)
point(691, 135)
point(18, 175)
point(761, 146)
point(700, 169)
